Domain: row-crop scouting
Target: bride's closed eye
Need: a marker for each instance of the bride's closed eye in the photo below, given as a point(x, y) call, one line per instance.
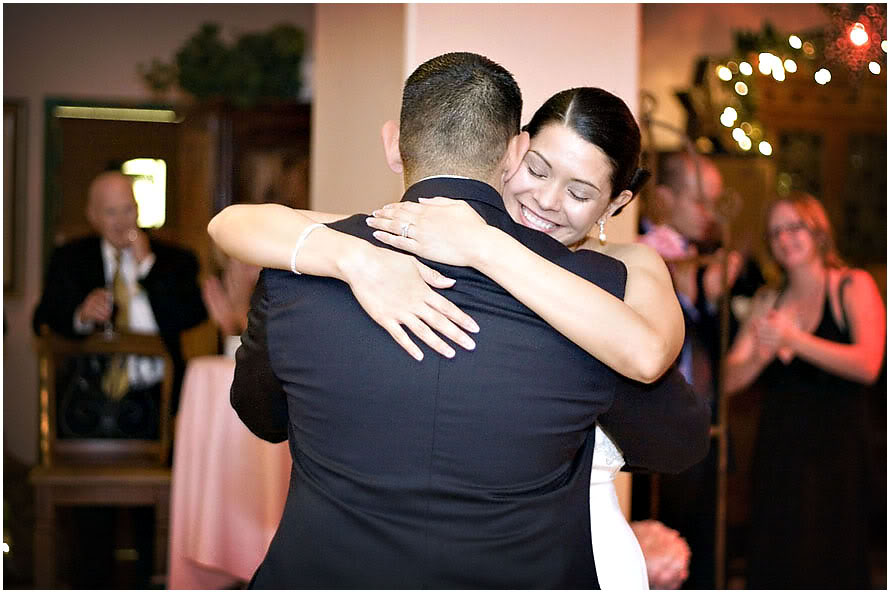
point(534, 172)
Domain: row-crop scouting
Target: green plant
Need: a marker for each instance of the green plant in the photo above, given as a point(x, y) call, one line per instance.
point(263, 65)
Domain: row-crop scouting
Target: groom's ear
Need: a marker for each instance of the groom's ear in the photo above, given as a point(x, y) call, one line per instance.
point(516, 149)
point(390, 134)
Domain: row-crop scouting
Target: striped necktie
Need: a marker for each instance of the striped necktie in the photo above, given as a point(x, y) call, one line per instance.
point(116, 381)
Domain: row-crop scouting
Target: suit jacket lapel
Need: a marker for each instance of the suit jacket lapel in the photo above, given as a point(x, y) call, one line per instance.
point(94, 265)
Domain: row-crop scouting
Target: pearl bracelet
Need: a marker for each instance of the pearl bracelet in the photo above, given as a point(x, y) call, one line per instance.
point(300, 240)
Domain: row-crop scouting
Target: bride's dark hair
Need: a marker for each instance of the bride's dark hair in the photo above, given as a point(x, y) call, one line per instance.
point(602, 119)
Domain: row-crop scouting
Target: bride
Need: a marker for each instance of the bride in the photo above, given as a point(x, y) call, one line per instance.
point(580, 169)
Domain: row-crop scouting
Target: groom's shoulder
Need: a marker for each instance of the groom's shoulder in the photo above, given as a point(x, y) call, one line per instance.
point(353, 225)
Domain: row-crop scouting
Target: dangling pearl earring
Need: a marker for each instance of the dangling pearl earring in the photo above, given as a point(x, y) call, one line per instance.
point(602, 236)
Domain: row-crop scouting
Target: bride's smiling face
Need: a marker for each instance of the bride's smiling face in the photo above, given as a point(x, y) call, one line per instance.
point(563, 186)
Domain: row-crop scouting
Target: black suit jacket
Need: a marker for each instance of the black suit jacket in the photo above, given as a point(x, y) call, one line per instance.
point(446, 473)
point(76, 269)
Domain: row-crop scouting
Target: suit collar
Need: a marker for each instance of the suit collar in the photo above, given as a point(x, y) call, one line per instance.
point(455, 187)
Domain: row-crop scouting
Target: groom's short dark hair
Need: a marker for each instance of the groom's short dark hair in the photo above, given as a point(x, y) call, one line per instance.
point(459, 112)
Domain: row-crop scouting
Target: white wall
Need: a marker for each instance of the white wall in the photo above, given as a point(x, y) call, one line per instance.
point(358, 86)
point(88, 51)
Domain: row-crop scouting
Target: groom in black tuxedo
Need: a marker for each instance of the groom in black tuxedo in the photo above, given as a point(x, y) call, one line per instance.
point(470, 472)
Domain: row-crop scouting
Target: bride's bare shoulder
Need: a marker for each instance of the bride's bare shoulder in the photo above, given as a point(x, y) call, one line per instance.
point(632, 254)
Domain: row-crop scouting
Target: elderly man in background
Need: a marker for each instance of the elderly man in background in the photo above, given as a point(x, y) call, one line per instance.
point(123, 277)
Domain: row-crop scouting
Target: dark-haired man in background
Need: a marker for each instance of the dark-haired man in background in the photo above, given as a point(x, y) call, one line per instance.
point(686, 207)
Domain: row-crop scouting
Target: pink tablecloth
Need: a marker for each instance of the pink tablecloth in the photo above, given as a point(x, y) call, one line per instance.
point(228, 486)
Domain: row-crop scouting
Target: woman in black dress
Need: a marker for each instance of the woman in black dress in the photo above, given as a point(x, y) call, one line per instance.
point(812, 347)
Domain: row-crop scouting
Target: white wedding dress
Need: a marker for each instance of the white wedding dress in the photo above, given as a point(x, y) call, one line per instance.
point(619, 561)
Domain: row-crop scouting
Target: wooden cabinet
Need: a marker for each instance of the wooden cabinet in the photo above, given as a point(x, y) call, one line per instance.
point(229, 156)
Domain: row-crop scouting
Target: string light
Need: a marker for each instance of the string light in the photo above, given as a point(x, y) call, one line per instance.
point(765, 63)
point(858, 35)
point(704, 144)
point(728, 117)
point(861, 38)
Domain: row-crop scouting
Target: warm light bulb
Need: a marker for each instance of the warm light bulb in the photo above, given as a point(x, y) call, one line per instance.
point(738, 134)
point(765, 63)
point(822, 76)
point(704, 144)
point(790, 65)
point(5, 548)
point(724, 73)
point(727, 120)
point(795, 42)
point(858, 35)
point(745, 143)
point(808, 48)
point(746, 127)
point(884, 45)
point(746, 69)
point(778, 72)
point(765, 148)
point(741, 88)
point(874, 68)
point(731, 112)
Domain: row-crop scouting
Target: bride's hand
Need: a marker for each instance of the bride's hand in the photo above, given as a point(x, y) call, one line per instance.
point(438, 229)
point(394, 290)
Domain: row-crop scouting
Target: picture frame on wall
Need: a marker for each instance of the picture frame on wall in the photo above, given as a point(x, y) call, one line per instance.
point(14, 117)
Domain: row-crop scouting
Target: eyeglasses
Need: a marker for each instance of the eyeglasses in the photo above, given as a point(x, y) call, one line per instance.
point(792, 227)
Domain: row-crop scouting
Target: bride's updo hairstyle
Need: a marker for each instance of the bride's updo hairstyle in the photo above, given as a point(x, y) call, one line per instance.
point(604, 120)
